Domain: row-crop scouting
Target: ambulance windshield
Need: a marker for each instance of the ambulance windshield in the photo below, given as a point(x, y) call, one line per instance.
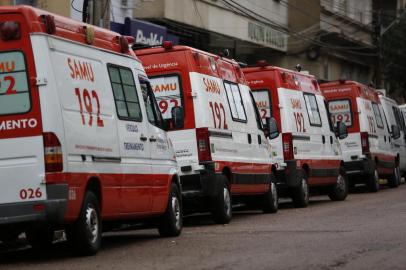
point(14, 90)
point(167, 92)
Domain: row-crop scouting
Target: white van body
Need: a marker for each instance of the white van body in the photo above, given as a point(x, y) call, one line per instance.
point(223, 138)
point(99, 150)
point(367, 151)
point(306, 152)
point(395, 117)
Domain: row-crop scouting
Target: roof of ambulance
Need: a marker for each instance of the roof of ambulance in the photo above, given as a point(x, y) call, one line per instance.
point(67, 28)
point(275, 68)
point(337, 83)
point(177, 48)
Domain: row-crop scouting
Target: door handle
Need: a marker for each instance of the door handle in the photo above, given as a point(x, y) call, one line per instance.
point(259, 139)
point(143, 138)
point(152, 139)
point(331, 139)
point(249, 139)
point(323, 139)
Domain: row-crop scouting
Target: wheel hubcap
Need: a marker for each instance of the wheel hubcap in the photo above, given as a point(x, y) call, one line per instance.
point(176, 211)
point(92, 222)
point(305, 189)
point(376, 178)
point(340, 183)
point(274, 194)
point(227, 201)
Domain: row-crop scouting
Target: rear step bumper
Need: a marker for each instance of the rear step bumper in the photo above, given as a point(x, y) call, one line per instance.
point(51, 210)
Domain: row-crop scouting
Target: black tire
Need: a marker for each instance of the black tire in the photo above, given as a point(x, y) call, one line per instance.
point(373, 181)
point(171, 222)
point(339, 191)
point(300, 194)
point(221, 206)
point(40, 237)
point(270, 200)
point(394, 179)
point(86, 239)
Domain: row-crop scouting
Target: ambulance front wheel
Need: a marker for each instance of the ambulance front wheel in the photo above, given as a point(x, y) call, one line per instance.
point(373, 181)
point(86, 233)
point(339, 191)
point(170, 224)
point(270, 203)
point(300, 194)
point(221, 207)
point(394, 179)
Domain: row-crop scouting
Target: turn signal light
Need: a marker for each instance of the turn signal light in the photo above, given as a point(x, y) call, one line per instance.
point(364, 143)
point(52, 153)
point(10, 30)
point(167, 45)
point(287, 144)
point(203, 144)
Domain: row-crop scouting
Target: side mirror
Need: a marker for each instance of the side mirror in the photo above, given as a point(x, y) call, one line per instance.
point(395, 132)
point(341, 130)
point(177, 117)
point(272, 128)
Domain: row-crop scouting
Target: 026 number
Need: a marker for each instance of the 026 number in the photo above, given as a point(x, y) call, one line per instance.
point(29, 193)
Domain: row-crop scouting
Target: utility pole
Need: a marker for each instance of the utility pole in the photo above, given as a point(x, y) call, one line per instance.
point(97, 12)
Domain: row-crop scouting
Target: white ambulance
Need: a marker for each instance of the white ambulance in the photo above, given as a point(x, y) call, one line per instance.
point(306, 153)
point(81, 134)
point(368, 149)
point(396, 121)
point(222, 150)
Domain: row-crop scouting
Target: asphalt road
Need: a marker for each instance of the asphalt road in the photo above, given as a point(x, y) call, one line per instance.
point(367, 231)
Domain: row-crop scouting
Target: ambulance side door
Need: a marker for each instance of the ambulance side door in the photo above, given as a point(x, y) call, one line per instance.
point(135, 151)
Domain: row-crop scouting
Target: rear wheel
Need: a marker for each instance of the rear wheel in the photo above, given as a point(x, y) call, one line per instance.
point(300, 196)
point(85, 234)
point(373, 181)
point(394, 179)
point(270, 201)
point(40, 237)
point(340, 190)
point(221, 204)
point(170, 224)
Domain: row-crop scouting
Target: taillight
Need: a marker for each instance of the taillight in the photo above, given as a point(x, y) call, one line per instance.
point(52, 153)
point(287, 144)
point(364, 143)
point(203, 144)
point(10, 30)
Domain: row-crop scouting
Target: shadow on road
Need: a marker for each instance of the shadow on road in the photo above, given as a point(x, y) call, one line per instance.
point(21, 252)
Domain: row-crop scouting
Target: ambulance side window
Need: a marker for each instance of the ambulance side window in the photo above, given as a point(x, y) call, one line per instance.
point(125, 93)
point(312, 109)
point(235, 102)
point(397, 117)
point(153, 113)
point(378, 116)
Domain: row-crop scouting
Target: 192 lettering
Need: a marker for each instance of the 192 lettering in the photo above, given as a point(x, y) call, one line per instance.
point(165, 104)
point(219, 115)
point(29, 193)
point(86, 98)
point(300, 122)
point(10, 89)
